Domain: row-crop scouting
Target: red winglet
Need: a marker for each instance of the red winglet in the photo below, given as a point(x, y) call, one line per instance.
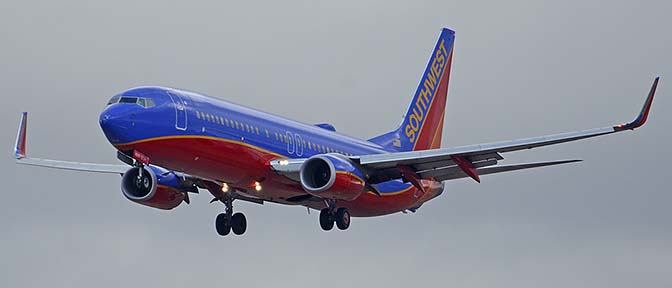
point(467, 167)
point(20, 147)
point(644, 114)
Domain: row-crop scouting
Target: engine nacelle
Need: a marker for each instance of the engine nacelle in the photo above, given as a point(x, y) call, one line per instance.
point(156, 187)
point(331, 176)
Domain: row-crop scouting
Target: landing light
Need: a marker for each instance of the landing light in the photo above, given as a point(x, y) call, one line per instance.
point(225, 187)
point(257, 186)
point(284, 162)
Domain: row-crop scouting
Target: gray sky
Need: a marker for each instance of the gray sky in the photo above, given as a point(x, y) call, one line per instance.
point(521, 69)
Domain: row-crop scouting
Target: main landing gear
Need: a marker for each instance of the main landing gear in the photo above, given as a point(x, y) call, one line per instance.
point(331, 214)
point(228, 221)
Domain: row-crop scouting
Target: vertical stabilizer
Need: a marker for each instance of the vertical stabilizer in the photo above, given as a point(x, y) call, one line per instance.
point(423, 122)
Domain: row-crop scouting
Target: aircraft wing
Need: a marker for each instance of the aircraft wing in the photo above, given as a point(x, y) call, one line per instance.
point(21, 157)
point(466, 161)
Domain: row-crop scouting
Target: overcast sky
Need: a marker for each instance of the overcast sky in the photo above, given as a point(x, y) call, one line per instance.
point(520, 69)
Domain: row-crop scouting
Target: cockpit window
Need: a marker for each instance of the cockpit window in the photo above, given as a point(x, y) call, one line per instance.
point(128, 100)
point(149, 102)
point(143, 102)
point(114, 99)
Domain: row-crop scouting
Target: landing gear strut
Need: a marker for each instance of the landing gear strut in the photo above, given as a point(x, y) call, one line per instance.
point(332, 214)
point(228, 221)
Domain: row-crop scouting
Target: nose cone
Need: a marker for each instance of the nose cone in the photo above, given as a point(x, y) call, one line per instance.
point(117, 122)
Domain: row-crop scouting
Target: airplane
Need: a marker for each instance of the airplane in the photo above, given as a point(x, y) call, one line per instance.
point(174, 142)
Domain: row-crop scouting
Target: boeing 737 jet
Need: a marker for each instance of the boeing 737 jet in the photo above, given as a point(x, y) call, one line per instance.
point(174, 142)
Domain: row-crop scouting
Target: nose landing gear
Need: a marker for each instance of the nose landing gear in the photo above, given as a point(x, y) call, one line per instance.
point(228, 221)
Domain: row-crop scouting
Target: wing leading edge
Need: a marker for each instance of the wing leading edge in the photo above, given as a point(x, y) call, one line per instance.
point(22, 158)
point(469, 161)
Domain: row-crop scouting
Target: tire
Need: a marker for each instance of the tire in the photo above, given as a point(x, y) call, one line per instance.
point(222, 225)
point(326, 220)
point(143, 183)
point(342, 218)
point(238, 223)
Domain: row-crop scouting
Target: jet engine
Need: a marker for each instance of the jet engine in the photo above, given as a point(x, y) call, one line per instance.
point(153, 186)
point(331, 176)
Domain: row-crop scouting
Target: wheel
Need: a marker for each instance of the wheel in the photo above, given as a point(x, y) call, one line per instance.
point(326, 220)
point(238, 223)
point(222, 225)
point(342, 218)
point(143, 183)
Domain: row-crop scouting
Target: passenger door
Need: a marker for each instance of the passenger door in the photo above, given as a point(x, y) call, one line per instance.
point(180, 110)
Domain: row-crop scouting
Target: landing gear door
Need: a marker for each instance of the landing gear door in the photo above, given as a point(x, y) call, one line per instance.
point(180, 110)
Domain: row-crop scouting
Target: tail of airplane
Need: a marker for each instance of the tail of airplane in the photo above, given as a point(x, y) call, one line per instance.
point(423, 122)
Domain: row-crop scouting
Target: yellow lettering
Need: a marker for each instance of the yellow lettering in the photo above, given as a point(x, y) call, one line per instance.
point(410, 133)
point(423, 96)
point(426, 95)
point(436, 68)
point(415, 125)
point(429, 86)
point(442, 47)
point(418, 111)
point(441, 59)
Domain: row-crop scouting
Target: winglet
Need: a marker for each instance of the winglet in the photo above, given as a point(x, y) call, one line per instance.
point(20, 147)
point(644, 114)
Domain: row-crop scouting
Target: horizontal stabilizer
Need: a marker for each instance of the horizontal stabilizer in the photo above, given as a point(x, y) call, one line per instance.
point(456, 174)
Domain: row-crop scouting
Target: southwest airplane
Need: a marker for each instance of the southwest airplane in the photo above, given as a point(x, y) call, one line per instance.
point(174, 142)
